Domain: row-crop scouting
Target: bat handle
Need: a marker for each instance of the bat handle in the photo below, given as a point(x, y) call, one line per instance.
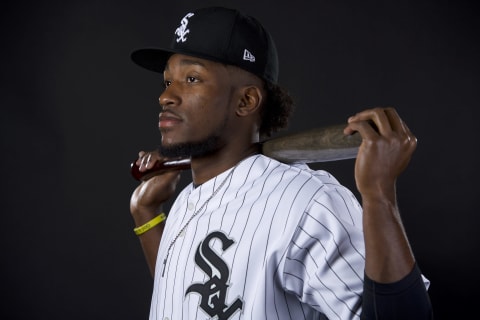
point(159, 168)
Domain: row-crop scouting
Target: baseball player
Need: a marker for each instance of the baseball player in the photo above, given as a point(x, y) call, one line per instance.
point(250, 237)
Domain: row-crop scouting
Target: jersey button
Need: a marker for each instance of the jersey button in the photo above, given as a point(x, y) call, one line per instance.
point(190, 206)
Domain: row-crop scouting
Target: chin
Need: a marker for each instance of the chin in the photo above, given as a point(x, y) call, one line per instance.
point(190, 149)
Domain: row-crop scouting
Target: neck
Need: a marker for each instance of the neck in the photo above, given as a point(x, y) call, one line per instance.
point(206, 167)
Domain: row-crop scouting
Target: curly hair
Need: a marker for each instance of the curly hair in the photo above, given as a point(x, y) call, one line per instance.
point(276, 110)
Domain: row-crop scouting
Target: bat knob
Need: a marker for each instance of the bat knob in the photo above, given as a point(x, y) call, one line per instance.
point(158, 168)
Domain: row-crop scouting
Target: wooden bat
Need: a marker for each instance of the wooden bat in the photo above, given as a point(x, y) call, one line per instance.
point(309, 146)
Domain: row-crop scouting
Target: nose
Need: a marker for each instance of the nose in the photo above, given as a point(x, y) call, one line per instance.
point(169, 97)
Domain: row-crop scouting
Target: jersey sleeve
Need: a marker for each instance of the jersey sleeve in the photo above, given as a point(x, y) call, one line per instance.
point(404, 299)
point(324, 265)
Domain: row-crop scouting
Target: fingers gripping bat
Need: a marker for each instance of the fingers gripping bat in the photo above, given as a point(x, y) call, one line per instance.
point(309, 146)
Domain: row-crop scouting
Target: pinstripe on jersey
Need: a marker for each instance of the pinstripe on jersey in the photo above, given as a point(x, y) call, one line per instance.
point(276, 242)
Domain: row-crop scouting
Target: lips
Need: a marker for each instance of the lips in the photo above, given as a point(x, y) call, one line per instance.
point(168, 119)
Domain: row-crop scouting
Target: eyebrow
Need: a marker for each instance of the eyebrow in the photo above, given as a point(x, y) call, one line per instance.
point(188, 62)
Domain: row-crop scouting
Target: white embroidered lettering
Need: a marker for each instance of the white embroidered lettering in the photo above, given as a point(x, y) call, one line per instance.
point(248, 56)
point(182, 30)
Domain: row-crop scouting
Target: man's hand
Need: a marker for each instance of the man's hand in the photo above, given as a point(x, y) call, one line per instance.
point(152, 193)
point(385, 151)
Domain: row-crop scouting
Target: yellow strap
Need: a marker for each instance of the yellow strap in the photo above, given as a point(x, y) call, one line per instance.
point(150, 224)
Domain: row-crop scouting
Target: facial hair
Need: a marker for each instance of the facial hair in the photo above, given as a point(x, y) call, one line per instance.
point(192, 149)
point(208, 145)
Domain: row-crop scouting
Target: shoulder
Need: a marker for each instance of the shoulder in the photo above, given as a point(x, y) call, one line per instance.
point(332, 199)
point(323, 179)
point(298, 180)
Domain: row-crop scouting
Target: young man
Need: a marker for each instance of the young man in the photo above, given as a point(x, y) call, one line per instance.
point(253, 238)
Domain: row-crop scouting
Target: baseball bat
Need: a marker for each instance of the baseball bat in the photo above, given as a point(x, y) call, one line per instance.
point(309, 146)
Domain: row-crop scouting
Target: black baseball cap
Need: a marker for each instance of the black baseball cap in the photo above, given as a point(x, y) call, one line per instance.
point(222, 35)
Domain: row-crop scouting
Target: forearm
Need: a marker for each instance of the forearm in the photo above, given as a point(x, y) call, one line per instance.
point(150, 240)
point(389, 257)
point(393, 285)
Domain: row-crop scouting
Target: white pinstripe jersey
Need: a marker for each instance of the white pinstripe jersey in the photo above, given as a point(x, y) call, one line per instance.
point(276, 242)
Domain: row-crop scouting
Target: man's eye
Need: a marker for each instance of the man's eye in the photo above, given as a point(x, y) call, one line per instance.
point(167, 83)
point(191, 79)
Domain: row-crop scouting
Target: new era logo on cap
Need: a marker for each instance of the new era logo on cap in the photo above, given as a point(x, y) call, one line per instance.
point(248, 56)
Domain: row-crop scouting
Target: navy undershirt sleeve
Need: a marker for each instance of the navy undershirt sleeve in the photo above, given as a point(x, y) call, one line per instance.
point(404, 299)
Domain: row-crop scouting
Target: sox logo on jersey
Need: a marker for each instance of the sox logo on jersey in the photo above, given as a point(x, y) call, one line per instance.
point(214, 291)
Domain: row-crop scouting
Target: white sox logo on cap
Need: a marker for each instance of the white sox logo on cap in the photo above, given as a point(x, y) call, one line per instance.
point(182, 31)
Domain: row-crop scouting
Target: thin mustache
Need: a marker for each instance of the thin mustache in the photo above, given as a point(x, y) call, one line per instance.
point(167, 111)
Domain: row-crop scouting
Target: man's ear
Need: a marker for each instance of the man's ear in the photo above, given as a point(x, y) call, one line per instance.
point(250, 100)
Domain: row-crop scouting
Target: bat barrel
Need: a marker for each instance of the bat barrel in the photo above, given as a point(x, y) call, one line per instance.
point(314, 145)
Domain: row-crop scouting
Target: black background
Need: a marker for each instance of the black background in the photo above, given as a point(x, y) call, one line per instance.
point(75, 112)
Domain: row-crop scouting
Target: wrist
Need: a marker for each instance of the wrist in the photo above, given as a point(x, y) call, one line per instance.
point(379, 194)
point(142, 215)
point(150, 224)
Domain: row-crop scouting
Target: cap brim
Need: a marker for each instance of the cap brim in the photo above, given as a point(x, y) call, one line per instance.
point(153, 59)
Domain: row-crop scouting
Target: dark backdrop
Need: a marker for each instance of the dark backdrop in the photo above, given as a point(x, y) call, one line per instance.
point(75, 112)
